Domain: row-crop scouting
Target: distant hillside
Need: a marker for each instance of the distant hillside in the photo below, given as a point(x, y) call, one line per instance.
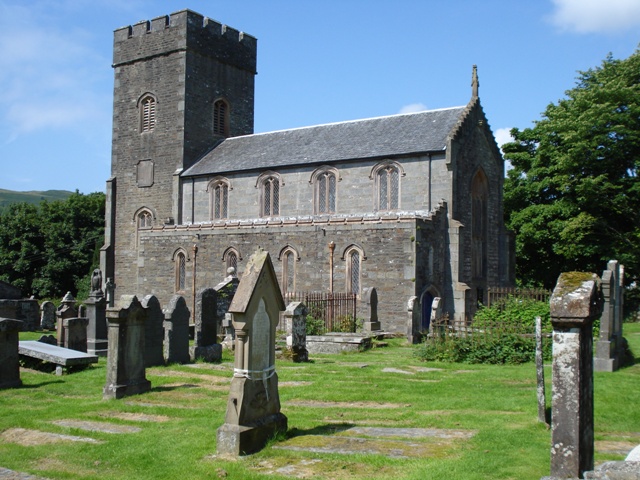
point(8, 197)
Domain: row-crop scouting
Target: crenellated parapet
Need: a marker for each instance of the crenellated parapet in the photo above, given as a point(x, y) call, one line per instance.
point(182, 31)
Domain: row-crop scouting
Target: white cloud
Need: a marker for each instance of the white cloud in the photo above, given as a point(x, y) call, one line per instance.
point(596, 16)
point(413, 108)
point(503, 136)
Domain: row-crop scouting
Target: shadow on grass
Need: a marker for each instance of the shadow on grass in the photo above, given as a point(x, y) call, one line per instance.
point(328, 429)
point(39, 385)
point(170, 388)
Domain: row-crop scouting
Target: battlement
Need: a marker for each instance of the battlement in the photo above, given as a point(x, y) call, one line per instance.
point(184, 30)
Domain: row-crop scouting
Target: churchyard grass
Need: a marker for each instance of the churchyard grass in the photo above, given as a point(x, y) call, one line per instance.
point(493, 407)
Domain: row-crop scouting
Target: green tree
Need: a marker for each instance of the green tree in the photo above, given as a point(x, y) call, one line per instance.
point(47, 250)
point(573, 196)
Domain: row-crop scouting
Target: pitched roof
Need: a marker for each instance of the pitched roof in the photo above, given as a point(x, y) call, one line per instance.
point(370, 138)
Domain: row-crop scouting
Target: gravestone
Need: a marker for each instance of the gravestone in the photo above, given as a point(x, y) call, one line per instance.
point(370, 299)
point(176, 331)
point(295, 320)
point(109, 291)
point(67, 309)
point(205, 336)
point(48, 316)
point(153, 332)
point(126, 374)
point(226, 291)
point(413, 320)
point(575, 303)
point(253, 410)
point(9, 358)
point(75, 333)
point(96, 313)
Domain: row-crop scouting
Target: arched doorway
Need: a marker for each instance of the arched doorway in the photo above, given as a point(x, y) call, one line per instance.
point(426, 301)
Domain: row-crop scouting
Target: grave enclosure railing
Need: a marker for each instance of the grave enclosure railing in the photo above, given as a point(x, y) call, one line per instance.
point(496, 296)
point(337, 311)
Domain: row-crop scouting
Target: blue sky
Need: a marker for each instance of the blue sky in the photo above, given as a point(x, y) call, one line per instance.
point(318, 62)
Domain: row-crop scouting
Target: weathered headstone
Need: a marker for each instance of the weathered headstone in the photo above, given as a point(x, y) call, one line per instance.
point(226, 291)
point(126, 374)
point(205, 336)
point(610, 338)
point(253, 410)
point(75, 333)
point(9, 358)
point(47, 316)
point(176, 331)
point(575, 303)
point(295, 319)
point(109, 292)
point(96, 311)
point(153, 332)
point(413, 320)
point(67, 309)
point(370, 299)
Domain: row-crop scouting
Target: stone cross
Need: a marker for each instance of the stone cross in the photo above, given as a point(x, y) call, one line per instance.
point(575, 303)
point(295, 319)
point(176, 331)
point(253, 410)
point(370, 299)
point(153, 332)
point(126, 374)
point(9, 358)
point(48, 316)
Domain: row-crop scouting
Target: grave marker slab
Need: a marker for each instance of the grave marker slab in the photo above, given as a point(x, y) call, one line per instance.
point(176, 331)
point(9, 358)
point(48, 316)
point(153, 332)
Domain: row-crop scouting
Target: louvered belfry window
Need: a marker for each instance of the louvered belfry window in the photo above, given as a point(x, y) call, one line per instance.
point(271, 197)
point(388, 188)
point(327, 193)
point(220, 122)
point(148, 118)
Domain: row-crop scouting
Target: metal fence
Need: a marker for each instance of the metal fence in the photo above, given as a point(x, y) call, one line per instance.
point(497, 296)
point(336, 310)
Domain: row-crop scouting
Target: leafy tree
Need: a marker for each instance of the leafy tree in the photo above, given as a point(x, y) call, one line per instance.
point(47, 250)
point(573, 196)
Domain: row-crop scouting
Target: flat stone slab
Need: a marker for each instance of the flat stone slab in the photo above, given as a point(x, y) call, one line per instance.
point(396, 370)
point(54, 354)
point(29, 438)
point(103, 427)
point(6, 474)
point(318, 404)
point(410, 432)
point(136, 417)
point(337, 343)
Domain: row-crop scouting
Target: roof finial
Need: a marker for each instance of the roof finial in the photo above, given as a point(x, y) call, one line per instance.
point(474, 82)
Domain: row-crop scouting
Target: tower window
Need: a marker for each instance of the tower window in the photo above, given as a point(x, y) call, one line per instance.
point(221, 118)
point(147, 114)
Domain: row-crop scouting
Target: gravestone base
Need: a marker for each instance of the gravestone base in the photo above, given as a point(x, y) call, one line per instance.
point(98, 347)
point(234, 440)
point(371, 327)
point(120, 391)
point(210, 353)
point(605, 359)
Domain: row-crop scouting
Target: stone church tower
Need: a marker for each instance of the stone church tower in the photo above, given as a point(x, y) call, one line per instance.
point(182, 84)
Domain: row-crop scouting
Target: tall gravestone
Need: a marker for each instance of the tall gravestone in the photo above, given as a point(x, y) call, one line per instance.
point(9, 358)
point(413, 320)
point(253, 410)
point(370, 299)
point(226, 290)
point(67, 309)
point(48, 316)
point(295, 319)
point(205, 336)
point(575, 303)
point(126, 374)
point(75, 334)
point(176, 331)
point(153, 332)
point(96, 311)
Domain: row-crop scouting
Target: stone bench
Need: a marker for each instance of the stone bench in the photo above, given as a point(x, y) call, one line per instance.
point(61, 357)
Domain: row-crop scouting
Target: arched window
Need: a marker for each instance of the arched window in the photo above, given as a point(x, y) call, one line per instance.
point(221, 118)
point(325, 181)
point(353, 257)
point(479, 197)
point(180, 260)
point(147, 106)
point(269, 183)
point(231, 258)
point(145, 219)
point(387, 185)
point(288, 256)
point(219, 198)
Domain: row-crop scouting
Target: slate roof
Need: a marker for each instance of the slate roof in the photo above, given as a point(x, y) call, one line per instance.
point(370, 138)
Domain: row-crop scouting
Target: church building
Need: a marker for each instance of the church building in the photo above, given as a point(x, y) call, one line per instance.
point(410, 204)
